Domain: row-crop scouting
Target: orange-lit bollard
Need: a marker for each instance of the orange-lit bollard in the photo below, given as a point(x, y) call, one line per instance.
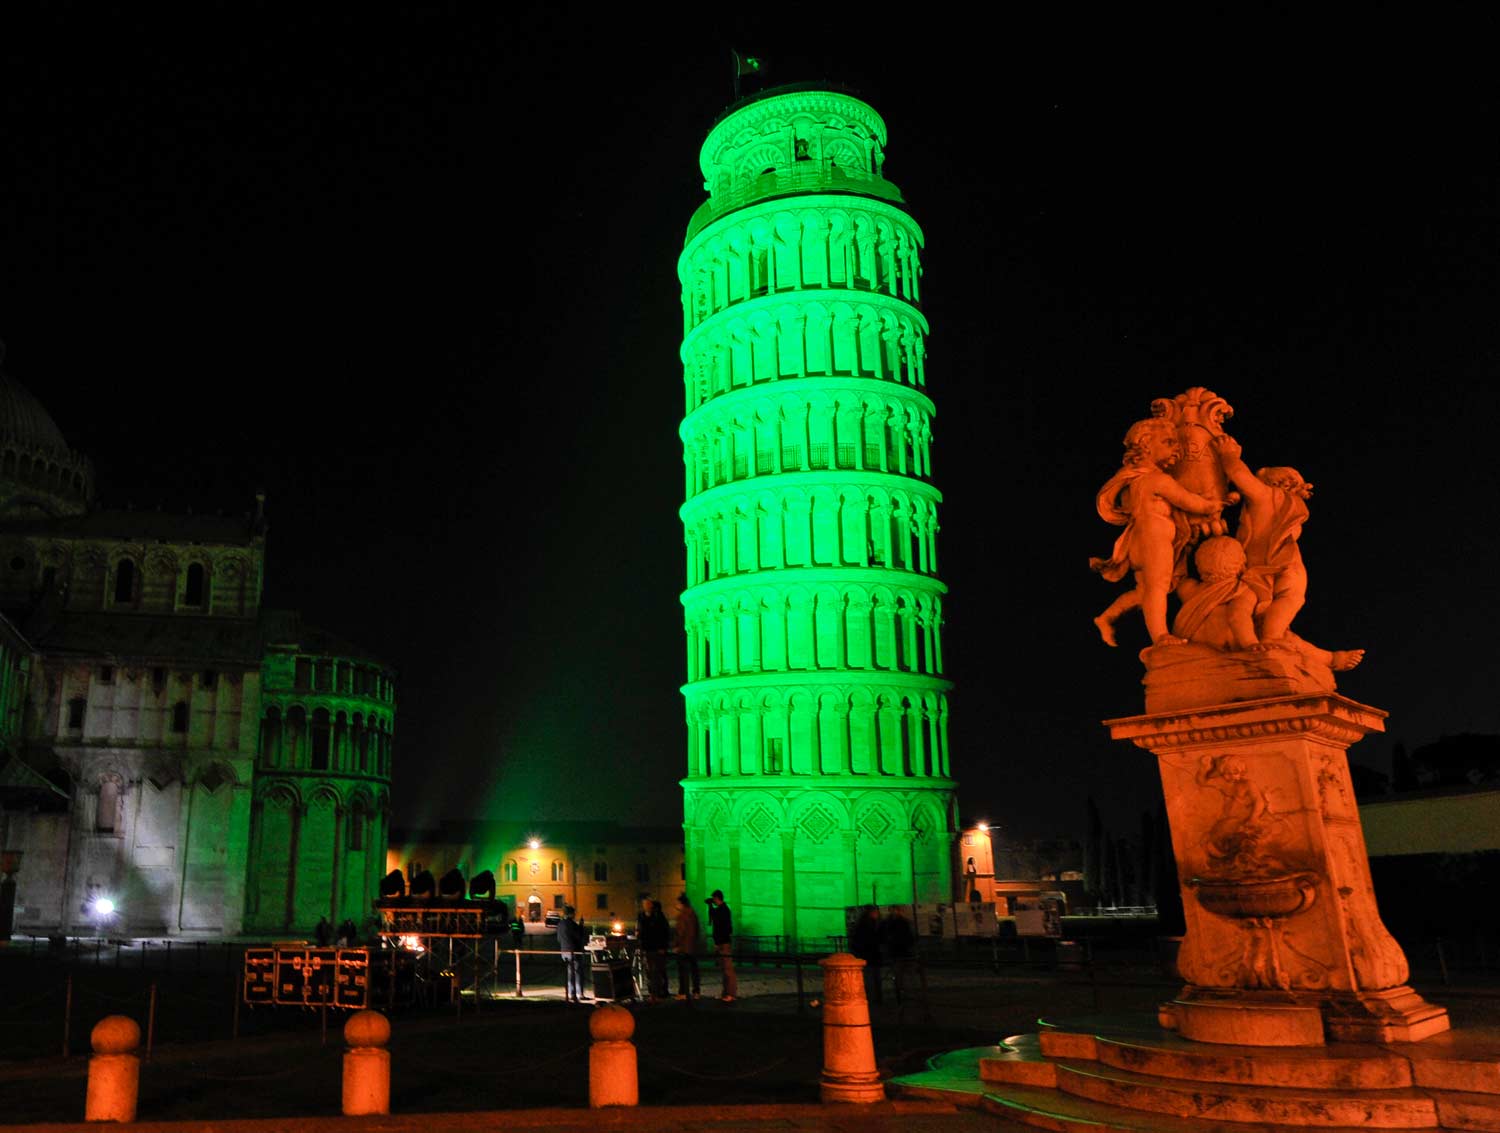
point(613, 1079)
point(367, 1064)
point(848, 1047)
point(114, 1070)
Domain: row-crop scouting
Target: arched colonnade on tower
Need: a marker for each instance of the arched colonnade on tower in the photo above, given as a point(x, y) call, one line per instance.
point(770, 250)
point(851, 626)
point(856, 429)
point(819, 730)
point(827, 525)
point(791, 862)
point(810, 338)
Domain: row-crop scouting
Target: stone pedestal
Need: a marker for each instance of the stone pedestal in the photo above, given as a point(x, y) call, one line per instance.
point(1284, 943)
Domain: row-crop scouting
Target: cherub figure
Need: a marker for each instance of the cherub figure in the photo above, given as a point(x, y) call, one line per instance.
point(1218, 611)
point(1271, 519)
point(1153, 509)
point(1237, 839)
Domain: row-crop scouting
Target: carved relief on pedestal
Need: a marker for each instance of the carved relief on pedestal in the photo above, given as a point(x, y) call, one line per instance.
point(1248, 869)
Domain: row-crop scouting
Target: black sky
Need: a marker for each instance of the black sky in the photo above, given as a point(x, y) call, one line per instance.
point(412, 271)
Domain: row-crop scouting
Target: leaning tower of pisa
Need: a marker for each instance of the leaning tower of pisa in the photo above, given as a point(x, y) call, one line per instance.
point(817, 711)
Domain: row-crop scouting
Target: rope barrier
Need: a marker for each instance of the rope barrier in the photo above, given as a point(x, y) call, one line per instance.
point(178, 993)
point(129, 1000)
point(287, 1073)
point(417, 1060)
point(716, 1077)
point(46, 995)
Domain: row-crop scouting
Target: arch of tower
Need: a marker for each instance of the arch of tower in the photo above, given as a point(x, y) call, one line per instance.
point(817, 709)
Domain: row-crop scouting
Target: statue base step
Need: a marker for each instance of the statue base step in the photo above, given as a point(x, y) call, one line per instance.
point(1243, 1017)
point(1130, 1075)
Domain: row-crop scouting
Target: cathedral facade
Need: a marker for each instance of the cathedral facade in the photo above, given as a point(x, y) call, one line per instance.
point(174, 759)
point(817, 707)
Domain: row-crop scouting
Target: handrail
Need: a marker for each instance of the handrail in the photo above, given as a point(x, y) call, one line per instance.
point(804, 177)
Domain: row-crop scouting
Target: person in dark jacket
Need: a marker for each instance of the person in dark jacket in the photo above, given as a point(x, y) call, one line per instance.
point(864, 942)
point(721, 925)
point(571, 940)
point(653, 936)
point(689, 940)
point(901, 946)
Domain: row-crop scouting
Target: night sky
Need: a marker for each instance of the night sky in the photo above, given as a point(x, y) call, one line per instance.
point(412, 272)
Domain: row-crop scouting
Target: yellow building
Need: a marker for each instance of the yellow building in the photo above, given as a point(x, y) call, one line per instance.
point(602, 869)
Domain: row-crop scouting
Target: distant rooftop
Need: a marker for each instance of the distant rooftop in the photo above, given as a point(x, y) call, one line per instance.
point(145, 526)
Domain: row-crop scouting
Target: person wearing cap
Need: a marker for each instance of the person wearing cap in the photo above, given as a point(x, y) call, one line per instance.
point(721, 925)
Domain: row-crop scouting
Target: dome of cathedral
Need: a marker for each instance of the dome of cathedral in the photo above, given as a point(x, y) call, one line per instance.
point(25, 424)
point(40, 476)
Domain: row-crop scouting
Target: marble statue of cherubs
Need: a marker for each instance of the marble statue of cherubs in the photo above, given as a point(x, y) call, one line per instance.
point(1218, 609)
point(1153, 509)
point(1272, 513)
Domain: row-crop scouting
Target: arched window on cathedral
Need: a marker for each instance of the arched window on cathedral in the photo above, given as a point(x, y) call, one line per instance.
point(107, 816)
point(341, 742)
point(125, 581)
point(357, 820)
point(320, 735)
point(296, 728)
point(559, 871)
point(180, 717)
point(270, 738)
point(192, 591)
point(361, 742)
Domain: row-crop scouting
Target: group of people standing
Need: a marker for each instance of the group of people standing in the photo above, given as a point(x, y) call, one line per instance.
point(875, 940)
point(345, 936)
point(656, 938)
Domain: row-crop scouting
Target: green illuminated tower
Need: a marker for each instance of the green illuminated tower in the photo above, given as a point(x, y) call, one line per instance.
point(817, 711)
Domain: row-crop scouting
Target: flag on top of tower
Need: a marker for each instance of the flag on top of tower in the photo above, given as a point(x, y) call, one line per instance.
point(746, 64)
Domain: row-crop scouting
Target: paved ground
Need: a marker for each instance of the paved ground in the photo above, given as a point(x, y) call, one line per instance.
point(512, 1063)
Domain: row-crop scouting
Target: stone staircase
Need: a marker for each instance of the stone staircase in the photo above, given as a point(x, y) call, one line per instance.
point(1117, 1074)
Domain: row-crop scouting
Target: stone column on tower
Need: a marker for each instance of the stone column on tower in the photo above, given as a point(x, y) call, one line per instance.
point(790, 273)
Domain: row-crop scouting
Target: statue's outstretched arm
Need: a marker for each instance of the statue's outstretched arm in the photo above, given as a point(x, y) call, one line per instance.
point(1238, 471)
point(1178, 496)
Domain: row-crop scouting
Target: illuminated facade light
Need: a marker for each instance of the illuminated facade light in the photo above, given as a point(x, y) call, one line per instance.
point(817, 710)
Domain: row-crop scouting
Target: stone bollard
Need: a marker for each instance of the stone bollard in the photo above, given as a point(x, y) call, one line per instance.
point(848, 1047)
point(367, 1064)
point(114, 1071)
point(612, 1071)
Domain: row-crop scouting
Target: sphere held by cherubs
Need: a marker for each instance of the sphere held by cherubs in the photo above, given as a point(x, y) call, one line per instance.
point(1220, 557)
